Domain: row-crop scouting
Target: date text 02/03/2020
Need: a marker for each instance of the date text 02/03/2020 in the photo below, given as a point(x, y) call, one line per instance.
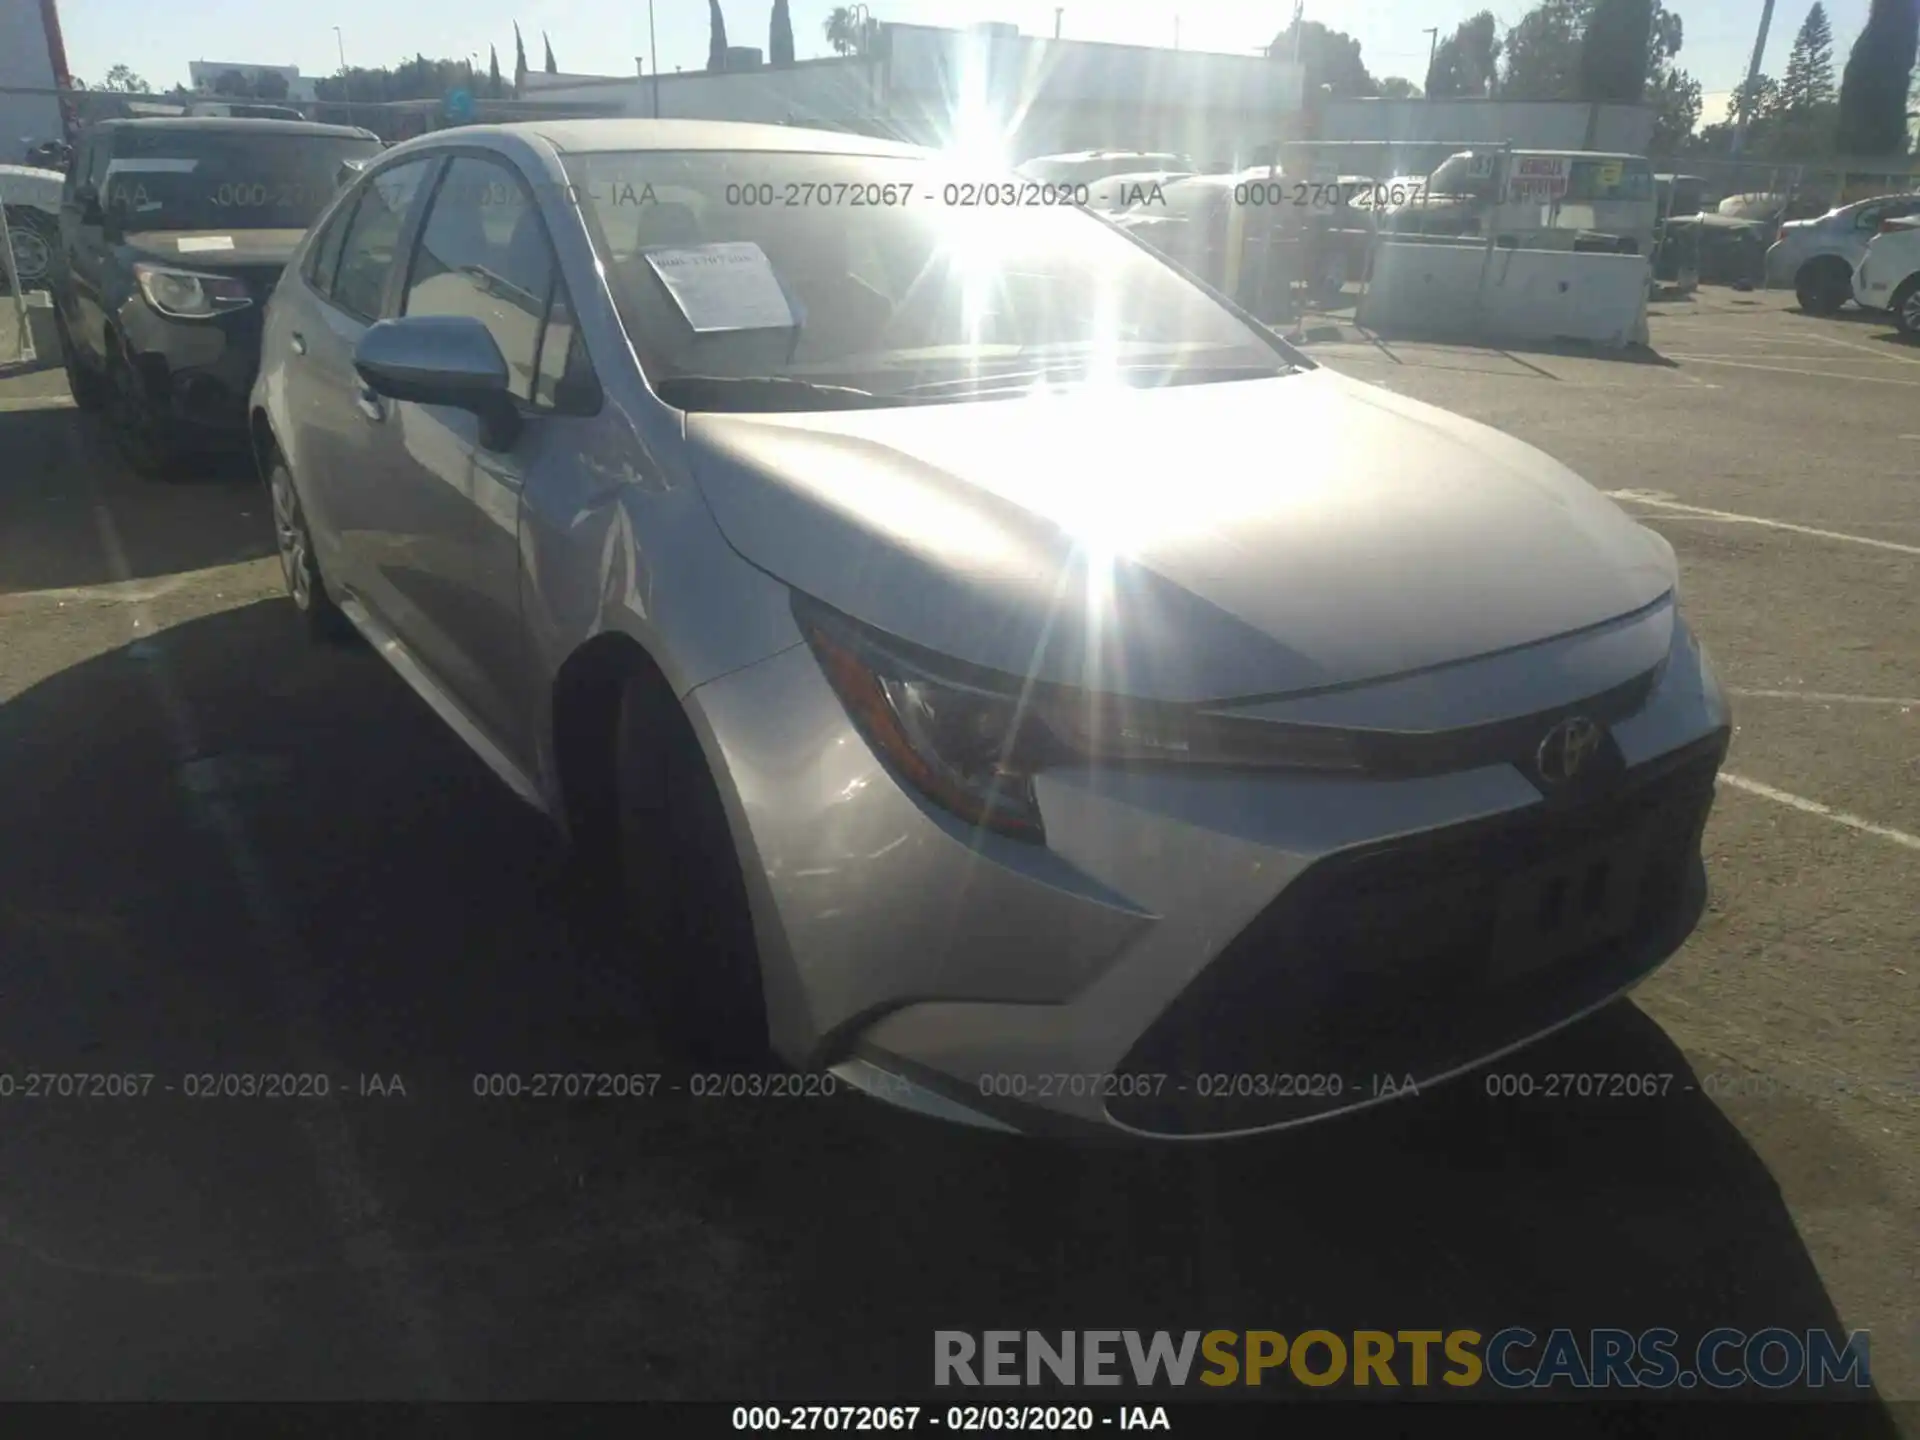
point(903, 1419)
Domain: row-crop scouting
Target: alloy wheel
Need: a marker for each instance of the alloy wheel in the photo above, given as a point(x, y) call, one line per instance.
point(1910, 312)
point(290, 532)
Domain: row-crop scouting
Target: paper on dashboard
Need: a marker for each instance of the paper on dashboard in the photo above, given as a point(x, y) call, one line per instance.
point(722, 287)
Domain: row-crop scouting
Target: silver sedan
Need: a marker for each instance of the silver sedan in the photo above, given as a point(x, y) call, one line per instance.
point(998, 673)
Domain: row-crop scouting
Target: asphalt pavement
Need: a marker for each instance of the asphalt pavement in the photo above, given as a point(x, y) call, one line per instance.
point(226, 852)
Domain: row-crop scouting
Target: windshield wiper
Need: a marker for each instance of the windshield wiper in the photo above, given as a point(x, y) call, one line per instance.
point(1210, 374)
point(762, 392)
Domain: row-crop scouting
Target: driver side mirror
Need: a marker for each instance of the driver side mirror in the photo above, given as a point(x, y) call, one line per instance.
point(442, 360)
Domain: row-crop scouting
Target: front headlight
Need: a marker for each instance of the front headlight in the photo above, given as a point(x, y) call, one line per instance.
point(188, 294)
point(972, 741)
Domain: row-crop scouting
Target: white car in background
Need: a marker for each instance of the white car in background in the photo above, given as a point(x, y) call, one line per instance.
point(1888, 275)
point(32, 200)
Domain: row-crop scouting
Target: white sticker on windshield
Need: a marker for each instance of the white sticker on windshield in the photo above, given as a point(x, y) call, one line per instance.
point(722, 287)
point(151, 167)
point(190, 243)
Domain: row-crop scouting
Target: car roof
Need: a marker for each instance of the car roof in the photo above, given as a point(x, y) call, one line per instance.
point(233, 125)
point(590, 136)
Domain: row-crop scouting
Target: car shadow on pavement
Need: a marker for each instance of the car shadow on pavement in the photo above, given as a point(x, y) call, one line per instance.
point(61, 465)
point(228, 853)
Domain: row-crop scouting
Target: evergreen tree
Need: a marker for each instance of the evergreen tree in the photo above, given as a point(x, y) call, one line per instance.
point(1809, 78)
point(780, 36)
point(716, 37)
point(1873, 91)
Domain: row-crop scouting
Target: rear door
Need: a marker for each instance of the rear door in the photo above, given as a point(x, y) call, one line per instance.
point(342, 449)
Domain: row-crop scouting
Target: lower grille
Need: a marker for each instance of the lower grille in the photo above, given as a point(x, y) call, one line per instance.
point(1389, 963)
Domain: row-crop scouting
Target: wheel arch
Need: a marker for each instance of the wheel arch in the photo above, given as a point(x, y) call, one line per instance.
point(583, 729)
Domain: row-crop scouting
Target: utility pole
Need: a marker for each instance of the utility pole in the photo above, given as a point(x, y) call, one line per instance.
point(1299, 8)
point(1753, 74)
point(346, 86)
point(1433, 47)
point(1058, 11)
point(1176, 32)
point(653, 60)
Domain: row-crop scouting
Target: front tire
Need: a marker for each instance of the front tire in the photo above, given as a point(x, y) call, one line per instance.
point(1824, 286)
point(144, 435)
point(684, 899)
point(322, 620)
point(1906, 308)
point(90, 389)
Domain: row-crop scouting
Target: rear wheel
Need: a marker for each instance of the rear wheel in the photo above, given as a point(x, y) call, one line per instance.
point(1906, 307)
point(685, 901)
point(1823, 286)
point(321, 618)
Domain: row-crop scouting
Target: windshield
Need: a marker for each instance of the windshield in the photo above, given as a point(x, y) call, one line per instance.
point(226, 180)
point(886, 277)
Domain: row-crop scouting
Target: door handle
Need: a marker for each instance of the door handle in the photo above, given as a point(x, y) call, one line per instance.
point(370, 403)
point(299, 343)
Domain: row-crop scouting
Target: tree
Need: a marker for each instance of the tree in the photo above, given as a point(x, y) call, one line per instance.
point(232, 82)
point(843, 30)
point(493, 72)
point(1754, 101)
point(552, 69)
point(1467, 61)
point(780, 35)
point(122, 80)
point(1543, 52)
point(1675, 98)
point(1873, 91)
point(716, 38)
point(269, 85)
point(1616, 51)
point(1396, 87)
point(415, 79)
point(1809, 79)
point(1330, 58)
point(519, 60)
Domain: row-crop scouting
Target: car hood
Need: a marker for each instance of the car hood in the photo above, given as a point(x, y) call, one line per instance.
point(1198, 542)
point(193, 249)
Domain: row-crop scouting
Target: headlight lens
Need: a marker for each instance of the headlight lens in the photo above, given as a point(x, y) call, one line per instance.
point(973, 741)
point(189, 295)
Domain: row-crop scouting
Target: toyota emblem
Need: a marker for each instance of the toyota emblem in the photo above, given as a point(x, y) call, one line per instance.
point(1566, 749)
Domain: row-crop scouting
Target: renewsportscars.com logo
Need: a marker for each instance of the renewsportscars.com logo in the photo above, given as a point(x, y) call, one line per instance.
point(1511, 1359)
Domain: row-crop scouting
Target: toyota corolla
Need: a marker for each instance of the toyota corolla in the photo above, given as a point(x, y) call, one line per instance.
point(1000, 674)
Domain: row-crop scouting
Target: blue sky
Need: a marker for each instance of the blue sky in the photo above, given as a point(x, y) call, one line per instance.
point(595, 36)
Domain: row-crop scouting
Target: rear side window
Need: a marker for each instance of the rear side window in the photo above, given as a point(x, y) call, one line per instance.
point(323, 259)
point(373, 237)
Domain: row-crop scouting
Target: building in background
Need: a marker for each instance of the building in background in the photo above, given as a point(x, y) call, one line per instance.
point(32, 59)
point(204, 77)
point(1031, 95)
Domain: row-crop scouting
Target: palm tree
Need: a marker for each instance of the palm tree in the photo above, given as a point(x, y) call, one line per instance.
point(843, 30)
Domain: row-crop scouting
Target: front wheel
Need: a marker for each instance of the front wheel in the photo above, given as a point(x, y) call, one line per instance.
point(90, 389)
point(1906, 308)
point(685, 900)
point(143, 433)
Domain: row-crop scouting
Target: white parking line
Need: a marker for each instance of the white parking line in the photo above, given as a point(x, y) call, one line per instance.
point(35, 402)
point(1786, 370)
point(1827, 697)
point(1825, 812)
point(1880, 354)
point(1659, 499)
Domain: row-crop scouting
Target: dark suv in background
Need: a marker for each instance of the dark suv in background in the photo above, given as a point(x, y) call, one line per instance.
point(172, 236)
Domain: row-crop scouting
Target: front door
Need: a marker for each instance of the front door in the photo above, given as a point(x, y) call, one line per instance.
point(450, 563)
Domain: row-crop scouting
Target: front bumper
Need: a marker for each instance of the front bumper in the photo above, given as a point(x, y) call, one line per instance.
point(1327, 937)
point(197, 372)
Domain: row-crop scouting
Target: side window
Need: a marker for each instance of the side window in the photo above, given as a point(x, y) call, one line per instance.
point(323, 259)
point(373, 236)
point(484, 253)
point(565, 379)
point(1870, 218)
